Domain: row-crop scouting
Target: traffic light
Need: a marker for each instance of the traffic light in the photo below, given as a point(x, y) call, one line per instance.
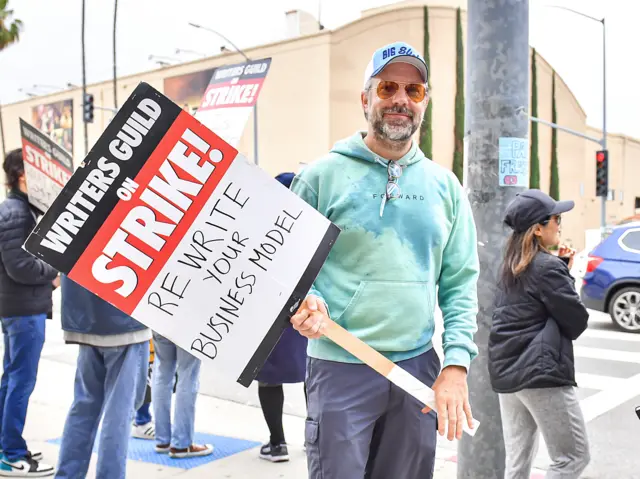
point(602, 173)
point(88, 108)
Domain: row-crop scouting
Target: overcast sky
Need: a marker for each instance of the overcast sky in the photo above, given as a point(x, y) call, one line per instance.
point(49, 52)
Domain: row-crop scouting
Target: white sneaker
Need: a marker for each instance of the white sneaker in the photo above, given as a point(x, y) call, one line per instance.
point(26, 467)
point(195, 450)
point(144, 431)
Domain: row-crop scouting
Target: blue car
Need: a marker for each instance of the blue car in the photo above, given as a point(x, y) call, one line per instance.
point(612, 280)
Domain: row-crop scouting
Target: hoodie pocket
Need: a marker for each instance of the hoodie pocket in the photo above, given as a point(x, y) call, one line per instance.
point(391, 315)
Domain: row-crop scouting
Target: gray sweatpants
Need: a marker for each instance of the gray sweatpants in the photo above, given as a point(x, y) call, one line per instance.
point(556, 413)
point(361, 426)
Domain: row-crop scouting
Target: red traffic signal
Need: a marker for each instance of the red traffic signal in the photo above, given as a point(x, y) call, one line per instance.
point(602, 173)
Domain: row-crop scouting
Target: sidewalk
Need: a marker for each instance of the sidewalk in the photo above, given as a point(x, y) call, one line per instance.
point(223, 418)
point(233, 424)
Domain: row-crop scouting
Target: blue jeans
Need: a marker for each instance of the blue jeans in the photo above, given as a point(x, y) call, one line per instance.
point(23, 342)
point(143, 415)
point(110, 384)
point(168, 359)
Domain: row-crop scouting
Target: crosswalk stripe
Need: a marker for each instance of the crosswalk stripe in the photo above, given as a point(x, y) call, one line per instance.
point(596, 381)
point(608, 354)
point(606, 334)
point(604, 401)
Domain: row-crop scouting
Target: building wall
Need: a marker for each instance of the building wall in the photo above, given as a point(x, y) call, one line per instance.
point(311, 99)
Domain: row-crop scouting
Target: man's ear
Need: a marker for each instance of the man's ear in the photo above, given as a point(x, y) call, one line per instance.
point(364, 99)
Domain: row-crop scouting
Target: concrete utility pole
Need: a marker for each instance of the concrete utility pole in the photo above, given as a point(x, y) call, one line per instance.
point(497, 166)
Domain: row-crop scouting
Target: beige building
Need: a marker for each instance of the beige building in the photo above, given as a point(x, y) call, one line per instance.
point(310, 99)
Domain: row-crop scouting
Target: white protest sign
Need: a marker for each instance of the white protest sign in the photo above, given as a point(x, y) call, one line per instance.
point(230, 97)
point(167, 222)
point(47, 166)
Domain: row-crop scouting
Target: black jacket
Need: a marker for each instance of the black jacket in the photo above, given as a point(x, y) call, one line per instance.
point(25, 281)
point(534, 323)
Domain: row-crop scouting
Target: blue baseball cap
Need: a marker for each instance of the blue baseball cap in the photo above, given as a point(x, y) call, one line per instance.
point(392, 53)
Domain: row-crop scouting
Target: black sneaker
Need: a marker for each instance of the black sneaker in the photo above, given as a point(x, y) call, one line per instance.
point(273, 453)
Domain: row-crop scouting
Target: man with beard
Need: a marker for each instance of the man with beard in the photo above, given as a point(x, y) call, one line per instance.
point(408, 237)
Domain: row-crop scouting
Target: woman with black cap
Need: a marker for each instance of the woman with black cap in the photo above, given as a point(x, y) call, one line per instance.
point(537, 315)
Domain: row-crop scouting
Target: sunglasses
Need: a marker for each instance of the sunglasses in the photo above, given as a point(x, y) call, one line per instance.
point(394, 172)
point(557, 217)
point(387, 89)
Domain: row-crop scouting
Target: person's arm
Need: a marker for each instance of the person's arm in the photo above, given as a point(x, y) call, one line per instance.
point(457, 293)
point(304, 189)
point(21, 266)
point(559, 295)
point(457, 296)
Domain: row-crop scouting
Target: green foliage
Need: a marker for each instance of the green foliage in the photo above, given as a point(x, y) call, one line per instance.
point(426, 133)
point(534, 158)
point(9, 29)
point(458, 129)
point(554, 184)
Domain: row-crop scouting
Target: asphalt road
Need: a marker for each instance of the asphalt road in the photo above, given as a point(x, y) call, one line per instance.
point(608, 371)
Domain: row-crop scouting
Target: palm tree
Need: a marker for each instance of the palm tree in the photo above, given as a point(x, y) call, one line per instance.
point(9, 29)
point(9, 33)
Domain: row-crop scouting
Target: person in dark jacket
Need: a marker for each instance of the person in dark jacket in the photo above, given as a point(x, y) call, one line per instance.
point(26, 284)
point(285, 365)
point(537, 315)
point(110, 382)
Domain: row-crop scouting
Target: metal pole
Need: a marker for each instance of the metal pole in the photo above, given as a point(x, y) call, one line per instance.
point(603, 199)
point(84, 84)
point(115, 74)
point(497, 84)
point(566, 130)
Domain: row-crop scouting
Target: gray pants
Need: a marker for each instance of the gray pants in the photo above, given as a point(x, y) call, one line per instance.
point(361, 426)
point(556, 412)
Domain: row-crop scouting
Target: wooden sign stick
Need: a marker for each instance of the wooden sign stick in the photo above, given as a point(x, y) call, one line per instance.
point(386, 367)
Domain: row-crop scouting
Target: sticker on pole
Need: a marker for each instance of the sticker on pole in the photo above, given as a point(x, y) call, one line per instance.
point(513, 162)
point(168, 223)
point(230, 97)
point(47, 166)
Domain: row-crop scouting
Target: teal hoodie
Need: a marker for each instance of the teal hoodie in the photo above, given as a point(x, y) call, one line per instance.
point(383, 275)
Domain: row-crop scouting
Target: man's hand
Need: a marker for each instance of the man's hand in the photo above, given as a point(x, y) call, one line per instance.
point(310, 318)
point(452, 401)
point(56, 282)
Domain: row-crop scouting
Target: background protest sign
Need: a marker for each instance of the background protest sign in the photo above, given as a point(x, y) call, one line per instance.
point(230, 97)
point(168, 223)
point(47, 166)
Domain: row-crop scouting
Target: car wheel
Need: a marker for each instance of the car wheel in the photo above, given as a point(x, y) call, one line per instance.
point(624, 309)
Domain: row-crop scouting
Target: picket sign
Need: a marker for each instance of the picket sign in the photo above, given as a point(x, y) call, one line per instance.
point(47, 166)
point(168, 223)
point(230, 97)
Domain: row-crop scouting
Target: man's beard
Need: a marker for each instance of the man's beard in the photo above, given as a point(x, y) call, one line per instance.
point(394, 130)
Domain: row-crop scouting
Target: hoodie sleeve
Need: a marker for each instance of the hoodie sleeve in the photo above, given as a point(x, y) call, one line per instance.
point(457, 292)
point(302, 186)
